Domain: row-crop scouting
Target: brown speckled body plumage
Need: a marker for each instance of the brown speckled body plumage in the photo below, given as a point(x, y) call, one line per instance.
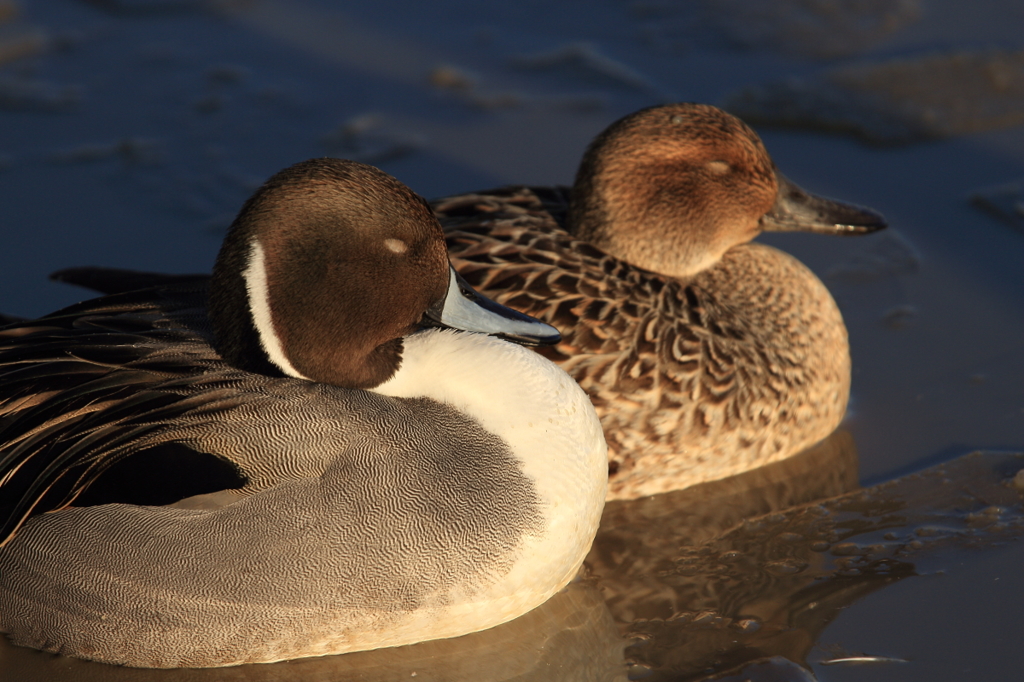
point(694, 379)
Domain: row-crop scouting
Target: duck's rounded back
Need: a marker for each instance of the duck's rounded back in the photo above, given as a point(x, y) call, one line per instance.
point(705, 355)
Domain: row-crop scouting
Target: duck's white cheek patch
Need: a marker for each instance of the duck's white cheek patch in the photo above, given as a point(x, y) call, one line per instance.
point(255, 276)
point(396, 245)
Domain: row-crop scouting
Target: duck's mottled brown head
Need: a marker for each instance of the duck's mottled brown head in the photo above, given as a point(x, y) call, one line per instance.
point(671, 188)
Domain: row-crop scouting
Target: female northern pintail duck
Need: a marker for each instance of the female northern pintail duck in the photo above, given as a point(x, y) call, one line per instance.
point(461, 489)
point(705, 355)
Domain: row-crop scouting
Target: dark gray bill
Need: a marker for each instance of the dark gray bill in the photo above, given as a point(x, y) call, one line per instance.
point(796, 210)
point(465, 308)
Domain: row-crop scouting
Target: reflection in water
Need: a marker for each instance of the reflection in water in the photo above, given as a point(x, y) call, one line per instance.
point(756, 596)
point(570, 637)
point(640, 540)
point(712, 582)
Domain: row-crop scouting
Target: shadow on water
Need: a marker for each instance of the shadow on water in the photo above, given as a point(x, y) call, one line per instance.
point(734, 579)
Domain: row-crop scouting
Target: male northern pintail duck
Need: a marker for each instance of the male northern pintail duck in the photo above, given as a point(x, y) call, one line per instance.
point(704, 354)
point(398, 481)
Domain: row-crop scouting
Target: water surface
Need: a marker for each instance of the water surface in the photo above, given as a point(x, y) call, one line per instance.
point(133, 130)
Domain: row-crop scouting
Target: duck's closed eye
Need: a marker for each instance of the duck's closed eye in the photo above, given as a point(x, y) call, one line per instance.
point(718, 167)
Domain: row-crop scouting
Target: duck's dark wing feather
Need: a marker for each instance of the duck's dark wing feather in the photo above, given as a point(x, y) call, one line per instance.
point(85, 387)
point(129, 386)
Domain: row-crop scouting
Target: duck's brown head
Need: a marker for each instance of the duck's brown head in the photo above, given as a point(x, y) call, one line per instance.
point(671, 188)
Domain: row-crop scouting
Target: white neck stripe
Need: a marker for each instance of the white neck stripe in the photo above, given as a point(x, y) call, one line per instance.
point(255, 277)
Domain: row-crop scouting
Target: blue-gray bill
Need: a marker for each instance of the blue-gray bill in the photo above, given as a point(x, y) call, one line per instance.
point(467, 309)
point(798, 211)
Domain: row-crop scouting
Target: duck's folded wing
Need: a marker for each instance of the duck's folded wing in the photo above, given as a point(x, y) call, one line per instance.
point(87, 386)
point(511, 245)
